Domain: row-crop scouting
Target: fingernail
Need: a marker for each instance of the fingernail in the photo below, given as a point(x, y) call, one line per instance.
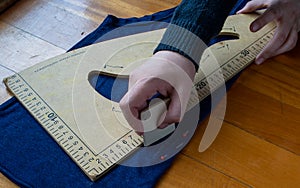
point(139, 133)
point(259, 61)
point(163, 125)
point(254, 27)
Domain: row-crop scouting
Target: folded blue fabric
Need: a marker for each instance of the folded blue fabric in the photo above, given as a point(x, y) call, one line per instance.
point(31, 158)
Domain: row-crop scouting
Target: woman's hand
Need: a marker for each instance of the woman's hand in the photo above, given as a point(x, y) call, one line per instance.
point(286, 14)
point(167, 73)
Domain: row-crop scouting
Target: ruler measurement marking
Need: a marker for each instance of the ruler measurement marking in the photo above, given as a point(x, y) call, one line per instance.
point(19, 92)
point(75, 153)
point(103, 165)
point(117, 156)
point(46, 121)
point(135, 141)
point(85, 164)
point(56, 134)
point(66, 144)
point(54, 131)
point(202, 93)
point(92, 170)
point(60, 136)
point(139, 139)
point(123, 151)
point(129, 146)
point(30, 105)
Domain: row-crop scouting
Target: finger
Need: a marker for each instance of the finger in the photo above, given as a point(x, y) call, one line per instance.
point(134, 101)
point(131, 113)
point(271, 49)
point(173, 114)
point(252, 6)
point(268, 16)
point(290, 43)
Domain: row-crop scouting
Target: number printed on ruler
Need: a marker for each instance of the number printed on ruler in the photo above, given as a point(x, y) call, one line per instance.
point(237, 63)
point(92, 164)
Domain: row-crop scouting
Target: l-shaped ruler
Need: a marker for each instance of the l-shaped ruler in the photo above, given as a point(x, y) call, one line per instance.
point(90, 128)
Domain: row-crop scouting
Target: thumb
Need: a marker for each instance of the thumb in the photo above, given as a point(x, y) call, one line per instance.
point(252, 6)
point(174, 114)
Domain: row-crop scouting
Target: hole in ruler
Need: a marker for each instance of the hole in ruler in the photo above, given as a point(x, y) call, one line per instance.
point(224, 36)
point(110, 87)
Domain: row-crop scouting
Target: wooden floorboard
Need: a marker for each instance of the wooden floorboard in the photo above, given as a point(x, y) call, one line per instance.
point(188, 172)
point(259, 143)
point(263, 117)
point(20, 50)
point(247, 158)
point(54, 24)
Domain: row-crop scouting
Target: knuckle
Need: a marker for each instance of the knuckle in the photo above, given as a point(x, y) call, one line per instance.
point(281, 37)
point(174, 118)
point(293, 44)
point(123, 104)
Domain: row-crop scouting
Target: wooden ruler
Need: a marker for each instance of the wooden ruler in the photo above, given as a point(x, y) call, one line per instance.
point(90, 128)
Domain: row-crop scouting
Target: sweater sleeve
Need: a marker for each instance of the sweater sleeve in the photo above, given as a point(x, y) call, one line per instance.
point(193, 24)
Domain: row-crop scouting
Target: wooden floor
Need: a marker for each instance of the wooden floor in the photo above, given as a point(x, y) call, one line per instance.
point(259, 143)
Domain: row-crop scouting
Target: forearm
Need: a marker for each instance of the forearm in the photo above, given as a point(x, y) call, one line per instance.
point(193, 24)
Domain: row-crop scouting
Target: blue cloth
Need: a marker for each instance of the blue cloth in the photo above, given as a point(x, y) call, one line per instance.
point(31, 158)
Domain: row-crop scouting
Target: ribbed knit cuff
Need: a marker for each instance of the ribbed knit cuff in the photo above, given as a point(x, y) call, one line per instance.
point(184, 41)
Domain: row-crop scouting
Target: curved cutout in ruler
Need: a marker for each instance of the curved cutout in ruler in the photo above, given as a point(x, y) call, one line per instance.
point(89, 127)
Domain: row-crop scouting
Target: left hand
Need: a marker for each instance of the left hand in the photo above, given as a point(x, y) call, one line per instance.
point(286, 14)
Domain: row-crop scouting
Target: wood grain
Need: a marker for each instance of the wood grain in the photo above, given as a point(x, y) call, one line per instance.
point(20, 50)
point(202, 175)
point(258, 145)
point(247, 158)
point(4, 4)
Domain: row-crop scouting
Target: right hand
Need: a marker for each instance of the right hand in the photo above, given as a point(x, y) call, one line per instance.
point(167, 73)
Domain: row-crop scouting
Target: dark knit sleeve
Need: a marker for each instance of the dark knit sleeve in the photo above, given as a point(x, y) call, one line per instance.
point(193, 24)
